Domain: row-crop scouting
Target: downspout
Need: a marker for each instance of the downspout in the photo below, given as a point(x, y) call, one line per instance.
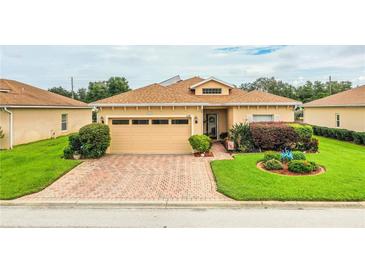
point(10, 127)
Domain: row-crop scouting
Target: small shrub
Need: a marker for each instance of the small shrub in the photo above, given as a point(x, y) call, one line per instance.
point(95, 139)
point(68, 153)
point(200, 143)
point(74, 142)
point(302, 166)
point(273, 164)
point(272, 155)
point(362, 134)
point(298, 155)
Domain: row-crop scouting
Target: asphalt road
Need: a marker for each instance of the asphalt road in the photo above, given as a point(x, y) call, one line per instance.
point(19, 216)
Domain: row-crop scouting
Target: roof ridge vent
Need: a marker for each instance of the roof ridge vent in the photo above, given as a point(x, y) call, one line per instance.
point(171, 81)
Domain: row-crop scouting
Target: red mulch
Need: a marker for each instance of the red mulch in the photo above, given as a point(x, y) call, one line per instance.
point(207, 154)
point(286, 172)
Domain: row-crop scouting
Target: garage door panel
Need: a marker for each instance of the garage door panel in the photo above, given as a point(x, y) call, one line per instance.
point(155, 139)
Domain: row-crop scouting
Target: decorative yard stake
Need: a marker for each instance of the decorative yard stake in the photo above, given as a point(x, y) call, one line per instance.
point(286, 155)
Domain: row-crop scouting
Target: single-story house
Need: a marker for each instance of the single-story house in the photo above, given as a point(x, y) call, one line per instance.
point(342, 110)
point(159, 118)
point(29, 114)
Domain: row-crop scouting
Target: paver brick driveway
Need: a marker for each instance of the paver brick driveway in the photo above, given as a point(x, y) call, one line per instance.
point(135, 177)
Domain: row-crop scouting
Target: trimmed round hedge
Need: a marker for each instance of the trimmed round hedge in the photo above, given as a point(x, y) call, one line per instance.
point(302, 166)
point(273, 164)
point(95, 139)
point(298, 155)
point(272, 155)
point(200, 143)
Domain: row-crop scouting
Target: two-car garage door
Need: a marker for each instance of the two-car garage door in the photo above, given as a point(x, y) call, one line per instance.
point(158, 135)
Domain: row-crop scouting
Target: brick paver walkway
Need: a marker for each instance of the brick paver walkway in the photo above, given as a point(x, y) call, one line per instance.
point(137, 177)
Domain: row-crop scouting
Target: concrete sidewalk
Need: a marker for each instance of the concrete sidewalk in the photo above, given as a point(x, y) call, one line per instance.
point(180, 217)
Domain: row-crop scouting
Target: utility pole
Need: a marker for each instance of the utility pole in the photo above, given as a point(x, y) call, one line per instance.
point(72, 87)
point(330, 84)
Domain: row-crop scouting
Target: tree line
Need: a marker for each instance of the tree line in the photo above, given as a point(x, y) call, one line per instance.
point(307, 92)
point(96, 90)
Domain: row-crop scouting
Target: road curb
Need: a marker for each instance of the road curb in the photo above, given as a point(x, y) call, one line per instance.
point(182, 204)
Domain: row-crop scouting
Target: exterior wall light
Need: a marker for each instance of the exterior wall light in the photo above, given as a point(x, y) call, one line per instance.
point(196, 120)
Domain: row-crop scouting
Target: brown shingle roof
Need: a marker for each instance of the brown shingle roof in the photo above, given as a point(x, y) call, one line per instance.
point(351, 97)
point(14, 93)
point(180, 93)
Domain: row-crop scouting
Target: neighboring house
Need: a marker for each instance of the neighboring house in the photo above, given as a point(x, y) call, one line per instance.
point(342, 110)
point(160, 118)
point(28, 114)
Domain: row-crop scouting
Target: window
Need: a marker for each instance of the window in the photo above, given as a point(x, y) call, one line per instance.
point(179, 121)
point(120, 122)
point(338, 124)
point(262, 118)
point(63, 121)
point(212, 90)
point(140, 122)
point(160, 122)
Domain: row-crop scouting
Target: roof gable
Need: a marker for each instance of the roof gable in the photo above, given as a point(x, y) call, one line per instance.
point(211, 79)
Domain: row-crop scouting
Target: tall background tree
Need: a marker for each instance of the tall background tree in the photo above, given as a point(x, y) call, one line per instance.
point(96, 90)
point(307, 92)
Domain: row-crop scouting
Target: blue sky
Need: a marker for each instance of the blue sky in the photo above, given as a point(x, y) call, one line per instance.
point(48, 66)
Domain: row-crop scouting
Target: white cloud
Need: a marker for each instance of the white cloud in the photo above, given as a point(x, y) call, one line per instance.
point(48, 66)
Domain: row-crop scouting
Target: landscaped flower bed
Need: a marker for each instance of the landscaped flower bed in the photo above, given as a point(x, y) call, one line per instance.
point(289, 163)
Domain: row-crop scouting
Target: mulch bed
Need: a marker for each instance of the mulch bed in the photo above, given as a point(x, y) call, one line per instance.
point(286, 172)
point(207, 154)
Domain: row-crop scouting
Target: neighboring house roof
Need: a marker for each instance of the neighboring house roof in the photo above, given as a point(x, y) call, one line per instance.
point(351, 97)
point(17, 94)
point(170, 81)
point(180, 93)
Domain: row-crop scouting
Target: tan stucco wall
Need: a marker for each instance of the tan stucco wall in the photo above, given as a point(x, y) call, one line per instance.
point(222, 119)
point(244, 114)
point(31, 125)
point(352, 118)
point(4, 123)
point(154, 112)
point(212, 84)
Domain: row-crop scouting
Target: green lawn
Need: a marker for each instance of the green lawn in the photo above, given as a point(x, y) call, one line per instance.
point(343, 181)
point(32, 167)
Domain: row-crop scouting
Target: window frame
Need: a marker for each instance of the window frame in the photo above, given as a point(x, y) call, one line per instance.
point(64, 122)
point(140, 124)
point(166, 122)
point(121, 124)
point(256, 115)
point(212, 90)
point(338, 120)
point(180, 119)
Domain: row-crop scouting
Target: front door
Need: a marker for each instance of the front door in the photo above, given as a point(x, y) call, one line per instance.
point(212, 125)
